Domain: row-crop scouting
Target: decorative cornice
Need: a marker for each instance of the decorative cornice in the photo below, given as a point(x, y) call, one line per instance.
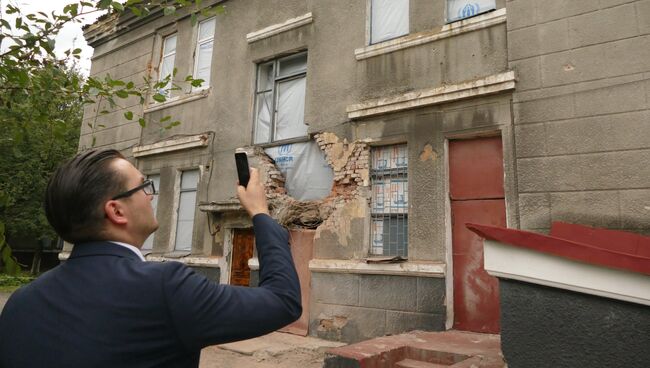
point(171, 145)
point(422, 269)
point(479, 87)
point(449, 30)
point(196, 95)
point(279, 28)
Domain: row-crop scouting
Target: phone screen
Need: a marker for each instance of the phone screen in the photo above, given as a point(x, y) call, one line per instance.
point(241, 160)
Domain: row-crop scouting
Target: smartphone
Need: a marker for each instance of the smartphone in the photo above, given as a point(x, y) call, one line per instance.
point(241, 160)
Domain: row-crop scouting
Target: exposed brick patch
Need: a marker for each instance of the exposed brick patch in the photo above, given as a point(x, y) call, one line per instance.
point(350, 162)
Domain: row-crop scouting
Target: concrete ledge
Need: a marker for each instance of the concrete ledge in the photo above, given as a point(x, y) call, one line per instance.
point(279, 28)
point(199, 140)
point(467, 25)
point(197, 95)
point(422, 269)
point(479, 87)
point(189, 260)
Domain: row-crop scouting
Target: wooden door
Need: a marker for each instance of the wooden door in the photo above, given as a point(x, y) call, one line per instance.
point(477, 195)
point(243, 241)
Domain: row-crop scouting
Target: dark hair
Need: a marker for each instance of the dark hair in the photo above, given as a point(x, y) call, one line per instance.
point(76, 194)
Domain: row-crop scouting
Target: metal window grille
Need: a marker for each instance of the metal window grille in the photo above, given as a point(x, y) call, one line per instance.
point(280, 99)
point(186, 207)
point(389, 203)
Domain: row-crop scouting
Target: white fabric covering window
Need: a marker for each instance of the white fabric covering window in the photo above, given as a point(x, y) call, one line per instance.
point(203, 53)
point(461, 9)
point(185, 212)
point(280, 99)
point(307, 174)
point(148, 244)
point(389, 19)
point(167, 61)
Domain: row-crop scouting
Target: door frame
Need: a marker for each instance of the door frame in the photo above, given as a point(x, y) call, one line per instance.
point(510, 194)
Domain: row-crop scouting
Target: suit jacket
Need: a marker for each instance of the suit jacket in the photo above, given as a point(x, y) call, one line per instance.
point(105, 307)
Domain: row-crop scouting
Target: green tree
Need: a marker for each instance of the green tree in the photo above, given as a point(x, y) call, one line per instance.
point(42, 98)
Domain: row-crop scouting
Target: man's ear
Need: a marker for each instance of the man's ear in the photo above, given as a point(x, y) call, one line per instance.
point(115, 212)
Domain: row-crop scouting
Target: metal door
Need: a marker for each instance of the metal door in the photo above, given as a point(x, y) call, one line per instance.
point(477, 195)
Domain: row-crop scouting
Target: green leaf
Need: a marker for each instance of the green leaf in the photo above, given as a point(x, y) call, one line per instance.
point(169, 10)
point(137, 12)
point(197, 82)
point(122, 94)
point(166, 118)
point(159, 98)
point(128, 115)
point(117, 6)
point(194, 19)
point(130, 85)
point(104, 4)
point(142, 122)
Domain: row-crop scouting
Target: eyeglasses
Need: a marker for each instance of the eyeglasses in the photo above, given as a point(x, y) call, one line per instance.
point(147, 187)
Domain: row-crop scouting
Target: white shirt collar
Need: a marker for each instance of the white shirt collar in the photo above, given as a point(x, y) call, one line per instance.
point(130, 247)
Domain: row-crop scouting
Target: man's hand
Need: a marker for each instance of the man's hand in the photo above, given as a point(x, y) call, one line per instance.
point(252, 197)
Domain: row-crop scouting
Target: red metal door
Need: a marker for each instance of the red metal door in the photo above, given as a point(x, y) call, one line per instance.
point(477, 195)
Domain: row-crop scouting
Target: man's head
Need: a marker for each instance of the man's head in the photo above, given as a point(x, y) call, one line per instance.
point(85, 200)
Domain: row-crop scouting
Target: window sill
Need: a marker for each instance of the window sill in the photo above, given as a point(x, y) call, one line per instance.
point(171, 145)
point(449, 30)
point(411, 268)
point(188, 259)
point(193, 96)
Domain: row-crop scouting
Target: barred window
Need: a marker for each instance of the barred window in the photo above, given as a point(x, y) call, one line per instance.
point(389, 206)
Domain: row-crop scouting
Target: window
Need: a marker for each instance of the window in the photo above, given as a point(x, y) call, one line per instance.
point(167, 62)
point(388, 19)
point(280, 99)
point(389, 205)
point(203, 52)
point(185, 212)
point(148, 244)
point(461, 9)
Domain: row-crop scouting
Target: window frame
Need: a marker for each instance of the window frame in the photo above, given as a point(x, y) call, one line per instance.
point(167, 89)
point(275, 83)
point(197, 47)
point(154, 204)
point(178, 207)
point(370, 21)
point(401, 173)
point(448, 19)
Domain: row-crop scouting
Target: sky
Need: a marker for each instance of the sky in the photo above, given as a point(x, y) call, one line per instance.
point(69, 37)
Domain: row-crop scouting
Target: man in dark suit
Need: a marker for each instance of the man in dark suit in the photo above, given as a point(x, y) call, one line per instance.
point(107, 307)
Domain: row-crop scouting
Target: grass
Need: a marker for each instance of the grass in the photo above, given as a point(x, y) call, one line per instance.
point(9, 283)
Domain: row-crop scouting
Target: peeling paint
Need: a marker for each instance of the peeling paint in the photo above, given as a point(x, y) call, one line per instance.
point(428, 153)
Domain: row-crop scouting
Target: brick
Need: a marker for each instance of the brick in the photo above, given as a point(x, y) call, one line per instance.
point(643, 16)
point(603, 26)
point(635, 208)
point(399, 322)
point(598, 171)
point(523, 43)
point(431, 295)
point(521, 13)
point(606, 133)
point(334, 288)
point(530, 140)
point(549, 10)
point(534, 211)
point(544, 109)
point(346, 323)
point(599, 209)
point(609, 59)
point(528, 73)
point(388, 292)
point(626, 96)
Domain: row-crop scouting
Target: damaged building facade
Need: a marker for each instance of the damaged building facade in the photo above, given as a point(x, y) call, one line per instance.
point(381, 127)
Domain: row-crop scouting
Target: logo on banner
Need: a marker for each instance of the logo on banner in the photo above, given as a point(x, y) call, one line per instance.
point(469, 10)
point(285, 149)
